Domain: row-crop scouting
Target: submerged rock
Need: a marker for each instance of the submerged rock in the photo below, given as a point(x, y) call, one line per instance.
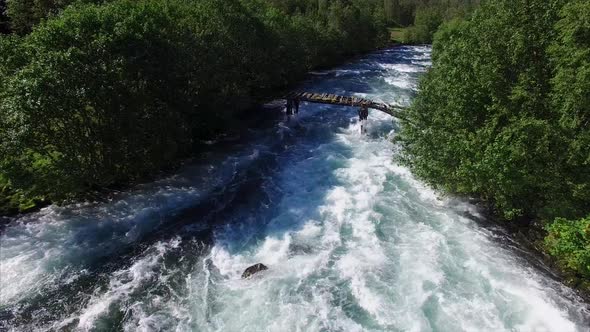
point(297, 249)
point(253, 269)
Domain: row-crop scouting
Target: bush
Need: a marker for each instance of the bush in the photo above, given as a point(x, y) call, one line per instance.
point(12, 202)
point(569, 242)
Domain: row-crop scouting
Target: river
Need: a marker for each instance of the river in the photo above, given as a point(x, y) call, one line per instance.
point(352, 240)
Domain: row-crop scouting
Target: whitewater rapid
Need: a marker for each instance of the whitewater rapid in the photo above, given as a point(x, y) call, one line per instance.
point(352, 240)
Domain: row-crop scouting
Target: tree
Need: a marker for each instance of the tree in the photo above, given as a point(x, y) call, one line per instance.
point(484, 125)
point(103, 94)
point(570, 52)
point(503, 116)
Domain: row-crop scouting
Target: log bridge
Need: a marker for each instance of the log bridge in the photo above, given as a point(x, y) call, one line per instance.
point(326, 98)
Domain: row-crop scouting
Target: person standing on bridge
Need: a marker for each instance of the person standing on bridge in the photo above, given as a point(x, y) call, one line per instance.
point(296, 104)
point(363, 116)
point(289, 109)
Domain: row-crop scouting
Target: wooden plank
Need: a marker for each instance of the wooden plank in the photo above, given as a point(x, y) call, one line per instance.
point(333, 99)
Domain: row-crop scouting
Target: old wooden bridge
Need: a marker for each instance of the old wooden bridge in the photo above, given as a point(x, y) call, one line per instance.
point(326, 98)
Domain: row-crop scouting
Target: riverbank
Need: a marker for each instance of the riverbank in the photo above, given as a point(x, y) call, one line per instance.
point(528, 240)
point(532, 237)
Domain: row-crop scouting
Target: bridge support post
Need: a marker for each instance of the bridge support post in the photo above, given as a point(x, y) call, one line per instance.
point(363, 117)
point(296, 105)
point(289, 109)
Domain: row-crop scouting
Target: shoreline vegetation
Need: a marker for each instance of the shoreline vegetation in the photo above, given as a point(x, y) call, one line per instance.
point(504, 116)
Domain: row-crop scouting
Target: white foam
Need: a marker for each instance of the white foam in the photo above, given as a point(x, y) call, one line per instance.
point(380, 242)
point(41, 248)
point(422, 63)
point(400, 82)
point(123, 283)
point(310, 230)
point(401, 68)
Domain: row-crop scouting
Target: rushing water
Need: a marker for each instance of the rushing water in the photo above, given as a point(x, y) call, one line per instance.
point(352, 240)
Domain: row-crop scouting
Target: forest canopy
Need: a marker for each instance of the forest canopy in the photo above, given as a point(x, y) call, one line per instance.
point(95, 93)
point(101, 92)
point(504, 115)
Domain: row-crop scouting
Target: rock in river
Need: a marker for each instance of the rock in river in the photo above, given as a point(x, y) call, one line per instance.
point(254, 269)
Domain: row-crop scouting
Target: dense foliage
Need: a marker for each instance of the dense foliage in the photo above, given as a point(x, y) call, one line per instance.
point(107, 93)
point(504, 112)
point(429, 16)
point(569, 241)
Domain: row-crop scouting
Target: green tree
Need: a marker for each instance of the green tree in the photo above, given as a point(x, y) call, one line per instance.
point(25, 14)
point(426, 22)
point(483, 121)
point(570, 52)
point(83, 109)
point(102, 94)
point(503, 116)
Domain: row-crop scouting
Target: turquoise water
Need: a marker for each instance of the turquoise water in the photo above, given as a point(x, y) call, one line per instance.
point(352, 240)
